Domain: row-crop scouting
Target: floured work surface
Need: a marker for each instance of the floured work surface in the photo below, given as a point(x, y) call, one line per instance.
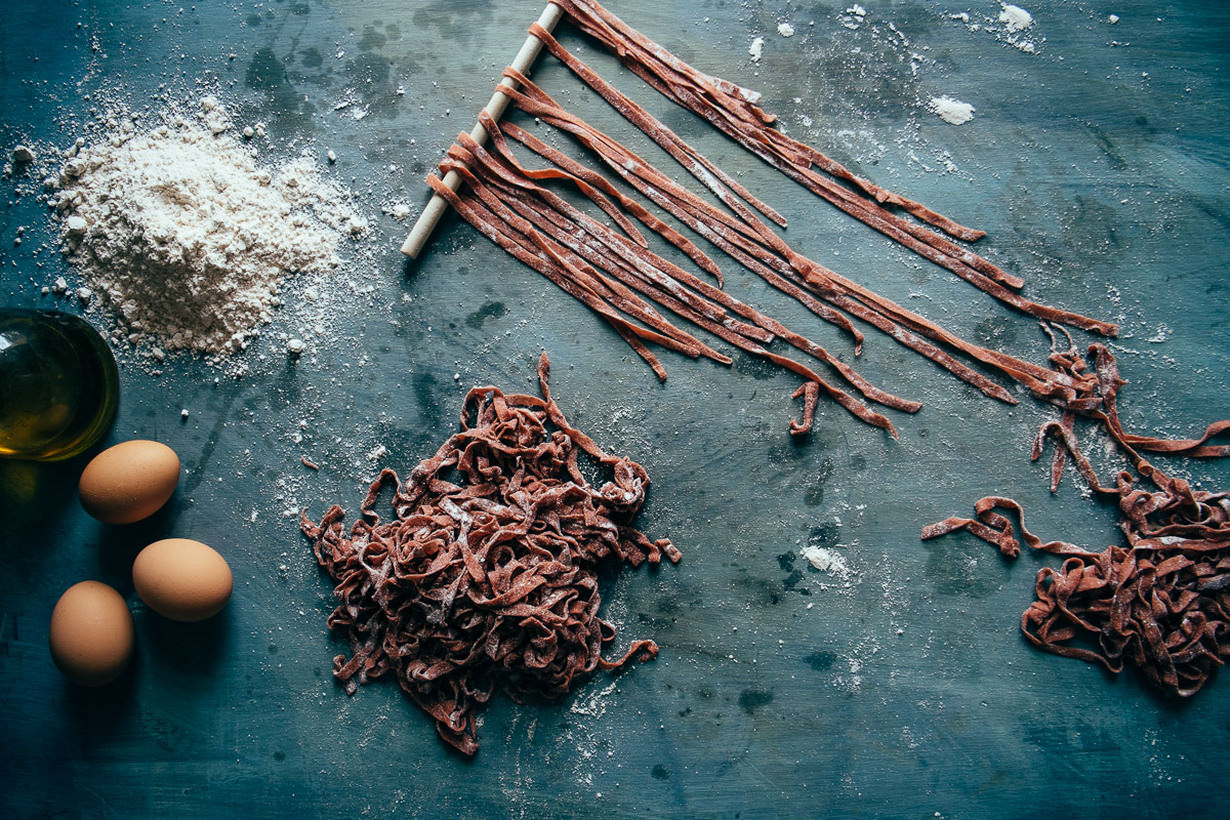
point(813, 652)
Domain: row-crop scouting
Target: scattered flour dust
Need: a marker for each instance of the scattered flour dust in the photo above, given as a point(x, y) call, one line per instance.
point(826, 560)
point(853, 17)
point(951, 110)
point(397, 210)
point(184, 236)
point(870, 46)
point(1015, 18)
point(756, 49)
point(1009, 26)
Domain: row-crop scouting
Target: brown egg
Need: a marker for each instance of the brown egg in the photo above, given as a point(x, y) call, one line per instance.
point(91, 634)
point(182, 579)
point(129, 482)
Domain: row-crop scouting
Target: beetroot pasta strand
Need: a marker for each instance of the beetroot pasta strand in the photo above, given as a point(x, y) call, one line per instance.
point(744, 122)
point(577, 170)
point(551, 271)
point(635, 259)
point(613, 292)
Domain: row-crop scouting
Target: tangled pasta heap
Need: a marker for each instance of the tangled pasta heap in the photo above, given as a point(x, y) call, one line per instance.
point(1162, 603)
point(487, 576)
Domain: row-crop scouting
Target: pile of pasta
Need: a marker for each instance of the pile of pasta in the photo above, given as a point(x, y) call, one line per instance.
point(486, 576)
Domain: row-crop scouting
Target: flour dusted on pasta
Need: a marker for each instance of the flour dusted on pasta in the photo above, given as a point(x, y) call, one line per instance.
point(185, 236)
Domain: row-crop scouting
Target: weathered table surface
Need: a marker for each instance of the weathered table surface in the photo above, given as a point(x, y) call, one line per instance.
point(1098, 165)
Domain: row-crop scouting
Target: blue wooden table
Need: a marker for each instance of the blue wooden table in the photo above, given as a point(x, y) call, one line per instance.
point(895, 685)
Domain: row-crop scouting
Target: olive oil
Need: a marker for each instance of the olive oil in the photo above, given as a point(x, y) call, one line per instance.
point(59, 385)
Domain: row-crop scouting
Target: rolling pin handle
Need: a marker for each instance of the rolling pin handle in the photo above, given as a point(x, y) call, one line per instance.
point(436, 206)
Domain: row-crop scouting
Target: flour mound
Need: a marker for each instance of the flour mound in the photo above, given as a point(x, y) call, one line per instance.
point(185, 236)
point(951, 110)
point(1016, 18)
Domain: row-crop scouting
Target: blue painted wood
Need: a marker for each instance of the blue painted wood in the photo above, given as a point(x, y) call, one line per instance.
point(1098, 166)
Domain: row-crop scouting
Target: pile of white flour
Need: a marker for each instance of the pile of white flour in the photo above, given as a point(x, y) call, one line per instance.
point(951, 110)
point(185, 237)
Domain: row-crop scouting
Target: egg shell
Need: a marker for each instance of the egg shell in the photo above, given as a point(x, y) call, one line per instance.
point(130, 481)
point(91, 635)
point(182, 579)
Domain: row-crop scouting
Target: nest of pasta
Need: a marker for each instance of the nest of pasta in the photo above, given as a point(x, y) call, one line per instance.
point(486, 576)
point(1162, 602)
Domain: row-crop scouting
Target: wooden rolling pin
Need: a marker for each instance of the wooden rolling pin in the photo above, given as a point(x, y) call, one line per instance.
point(426, 223)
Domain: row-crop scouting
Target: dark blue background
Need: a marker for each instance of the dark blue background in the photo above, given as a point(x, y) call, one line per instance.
point(1099, 167)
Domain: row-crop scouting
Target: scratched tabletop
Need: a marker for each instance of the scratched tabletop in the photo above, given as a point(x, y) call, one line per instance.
point(890, 680)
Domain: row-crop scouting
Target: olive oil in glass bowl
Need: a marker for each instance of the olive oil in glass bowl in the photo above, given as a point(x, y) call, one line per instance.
point(59, 385)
